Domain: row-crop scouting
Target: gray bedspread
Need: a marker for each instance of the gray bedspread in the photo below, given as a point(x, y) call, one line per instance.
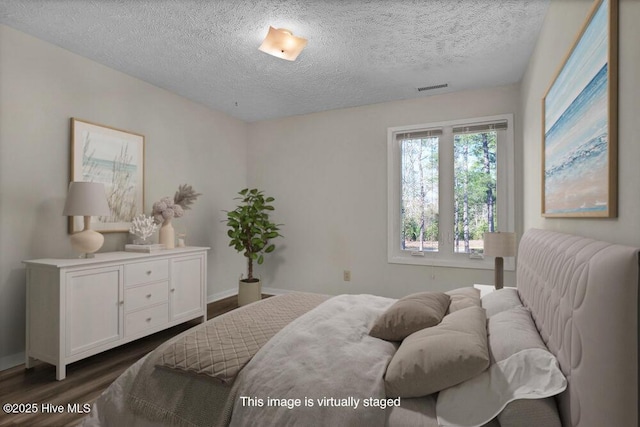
point(323, 369)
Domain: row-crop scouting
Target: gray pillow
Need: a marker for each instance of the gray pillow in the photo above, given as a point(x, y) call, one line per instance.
point(435, 358)
point(410, 314)
point(500, 300)
point(463, 298)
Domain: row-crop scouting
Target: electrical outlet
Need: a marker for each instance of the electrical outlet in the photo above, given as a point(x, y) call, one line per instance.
point(346, 275)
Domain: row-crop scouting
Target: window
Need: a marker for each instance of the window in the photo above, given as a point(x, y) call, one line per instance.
point(420, 177)
point(449, 183)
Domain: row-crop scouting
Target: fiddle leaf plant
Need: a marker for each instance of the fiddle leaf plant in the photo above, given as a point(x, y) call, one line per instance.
point(250, 228)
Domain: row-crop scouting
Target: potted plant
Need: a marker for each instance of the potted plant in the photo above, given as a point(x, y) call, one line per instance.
point(251, 231)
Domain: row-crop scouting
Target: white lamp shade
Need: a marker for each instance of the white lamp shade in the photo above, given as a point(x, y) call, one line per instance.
point(282, 44)
point(86, 199)
point(500, 244)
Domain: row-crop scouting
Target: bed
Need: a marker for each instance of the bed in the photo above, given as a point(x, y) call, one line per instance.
point(308, 359)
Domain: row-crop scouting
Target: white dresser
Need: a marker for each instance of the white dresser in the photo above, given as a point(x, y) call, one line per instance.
point(79, 307)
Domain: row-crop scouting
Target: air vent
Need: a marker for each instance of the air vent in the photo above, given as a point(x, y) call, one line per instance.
point(421, 89)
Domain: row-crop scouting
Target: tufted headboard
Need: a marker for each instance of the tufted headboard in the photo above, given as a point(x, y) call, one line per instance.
point(583, 295)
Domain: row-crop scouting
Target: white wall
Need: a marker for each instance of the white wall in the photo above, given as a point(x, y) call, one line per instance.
point(328, 173)
point(41, 87)
point(562, 24)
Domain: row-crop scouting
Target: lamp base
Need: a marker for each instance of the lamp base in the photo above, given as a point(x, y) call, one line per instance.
point(87, 242)
point(499, 272)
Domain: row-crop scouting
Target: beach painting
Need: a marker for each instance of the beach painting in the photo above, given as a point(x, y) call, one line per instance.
point(579, 141)
point(114, 158)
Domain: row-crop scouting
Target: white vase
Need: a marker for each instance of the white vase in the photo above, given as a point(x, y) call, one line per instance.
point(167, 235)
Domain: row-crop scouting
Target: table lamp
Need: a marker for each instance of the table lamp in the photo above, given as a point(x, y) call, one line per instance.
point(499, 245)
point(86, 199)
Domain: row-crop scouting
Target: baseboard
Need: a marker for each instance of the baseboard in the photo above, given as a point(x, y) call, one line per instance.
point(222, 295)
point(233, 291)
point(11, 360)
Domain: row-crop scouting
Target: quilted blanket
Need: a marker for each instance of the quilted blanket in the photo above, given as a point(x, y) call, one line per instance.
point(218, 348)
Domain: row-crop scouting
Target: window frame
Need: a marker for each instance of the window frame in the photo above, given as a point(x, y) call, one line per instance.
point(505, 189)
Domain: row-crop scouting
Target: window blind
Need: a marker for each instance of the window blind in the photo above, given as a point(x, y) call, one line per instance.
point(419, 134)
point(480, 127)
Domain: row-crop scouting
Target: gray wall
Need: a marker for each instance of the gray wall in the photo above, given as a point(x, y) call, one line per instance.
point(562, 24)
point(41, 87)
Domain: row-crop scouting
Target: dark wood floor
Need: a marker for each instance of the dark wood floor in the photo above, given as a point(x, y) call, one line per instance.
point(86, 379)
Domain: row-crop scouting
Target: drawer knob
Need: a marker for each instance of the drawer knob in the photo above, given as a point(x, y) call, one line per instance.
point(148, 295)
point(173, 289)
point(148, 319)
point(121, 302)
point(148, 272)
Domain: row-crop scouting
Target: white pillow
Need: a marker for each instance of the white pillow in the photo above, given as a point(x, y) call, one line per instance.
point(529, 374)
point(500, 300)
point(510, 332)
point(522, 369)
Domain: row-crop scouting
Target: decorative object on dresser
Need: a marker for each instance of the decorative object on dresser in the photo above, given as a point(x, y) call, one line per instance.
point(148, 249)
point(79, 307)
point(181, 237)
point(114, 158)
point(86, 199)
point(580, 123)
point(251, 230)
point(143, 227)
point(499, 245)
point(167, 208)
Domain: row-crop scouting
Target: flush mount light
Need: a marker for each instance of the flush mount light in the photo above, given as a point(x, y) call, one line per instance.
point(283, 44)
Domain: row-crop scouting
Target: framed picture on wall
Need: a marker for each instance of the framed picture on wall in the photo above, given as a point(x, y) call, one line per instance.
point(115, 158)
point(579, 112)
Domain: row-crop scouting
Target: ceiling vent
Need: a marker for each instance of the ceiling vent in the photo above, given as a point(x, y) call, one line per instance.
point(422, 89)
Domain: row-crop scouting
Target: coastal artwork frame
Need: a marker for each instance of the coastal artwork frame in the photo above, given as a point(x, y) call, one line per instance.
point(115, 158)
point(580, 123)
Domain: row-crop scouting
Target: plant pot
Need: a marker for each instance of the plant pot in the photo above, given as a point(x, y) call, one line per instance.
point(249, 292)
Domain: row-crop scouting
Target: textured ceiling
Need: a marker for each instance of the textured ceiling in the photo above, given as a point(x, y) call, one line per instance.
point(359, 52)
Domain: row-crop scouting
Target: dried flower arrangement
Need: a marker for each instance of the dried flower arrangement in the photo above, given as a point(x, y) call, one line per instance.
point(143, 226)
point(167, 208)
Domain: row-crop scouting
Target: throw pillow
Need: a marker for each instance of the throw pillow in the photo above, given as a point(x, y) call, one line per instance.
point(435, 358)
point(410, 314)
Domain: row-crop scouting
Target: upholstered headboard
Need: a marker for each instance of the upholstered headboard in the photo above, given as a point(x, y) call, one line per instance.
point(583, 295)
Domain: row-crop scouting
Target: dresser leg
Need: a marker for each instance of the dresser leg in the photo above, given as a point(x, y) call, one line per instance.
point(29, 362)
point(61, 372)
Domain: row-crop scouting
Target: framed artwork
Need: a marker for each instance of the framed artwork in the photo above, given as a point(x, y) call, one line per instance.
point(579, 111)
point(114, 158)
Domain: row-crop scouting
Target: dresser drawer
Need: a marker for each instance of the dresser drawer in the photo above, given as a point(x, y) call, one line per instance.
point(145, 295)
point(139, 321)
point(146, 272)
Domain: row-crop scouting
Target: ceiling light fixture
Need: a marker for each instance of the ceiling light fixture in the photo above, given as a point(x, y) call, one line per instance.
point(282, 44)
